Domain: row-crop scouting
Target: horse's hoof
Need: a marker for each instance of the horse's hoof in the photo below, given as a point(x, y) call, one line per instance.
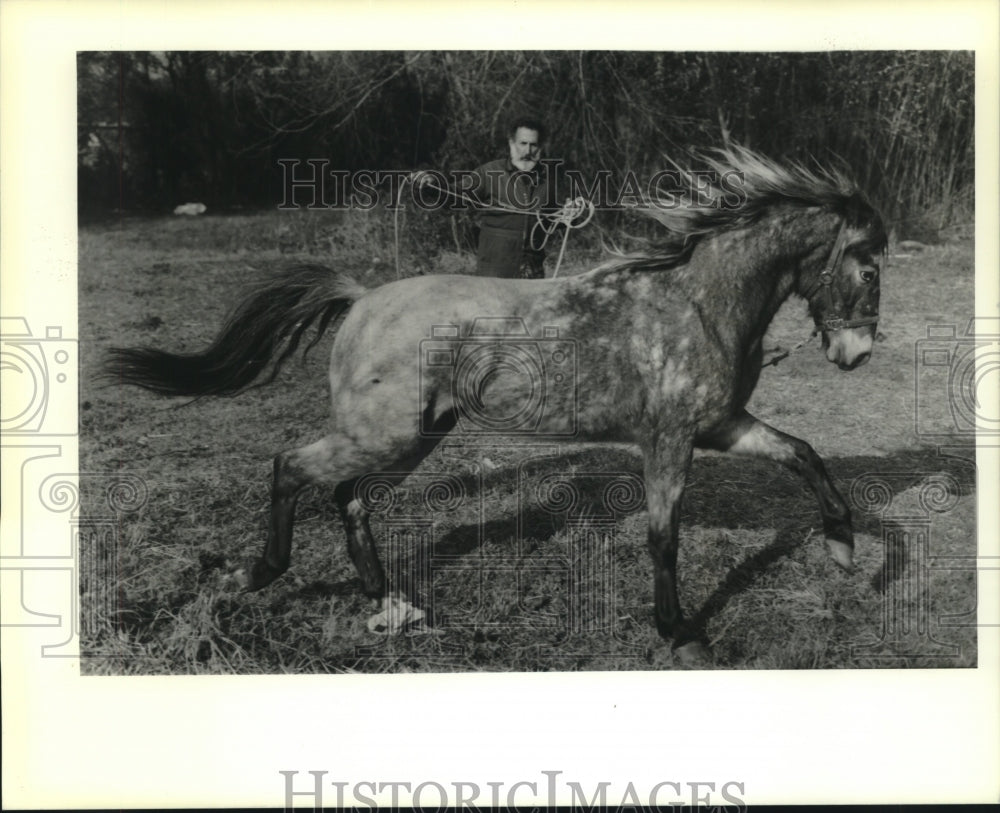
point(693, 655)
point(257, 575)
point(842, 553)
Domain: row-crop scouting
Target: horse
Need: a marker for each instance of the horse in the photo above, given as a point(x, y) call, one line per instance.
point(661, 348)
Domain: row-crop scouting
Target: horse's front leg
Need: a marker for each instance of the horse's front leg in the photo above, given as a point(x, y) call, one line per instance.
point(747, 435)
point(666, 465)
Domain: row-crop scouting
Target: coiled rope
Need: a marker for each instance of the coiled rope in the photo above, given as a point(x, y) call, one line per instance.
point(569, 216)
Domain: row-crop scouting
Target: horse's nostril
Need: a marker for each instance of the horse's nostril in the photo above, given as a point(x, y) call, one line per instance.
point(855, 363)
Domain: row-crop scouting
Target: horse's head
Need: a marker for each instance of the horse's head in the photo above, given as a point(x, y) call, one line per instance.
point(844, 293)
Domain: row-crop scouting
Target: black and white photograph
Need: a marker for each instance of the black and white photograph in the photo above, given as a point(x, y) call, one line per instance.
point(463, 387)
point(598, 383)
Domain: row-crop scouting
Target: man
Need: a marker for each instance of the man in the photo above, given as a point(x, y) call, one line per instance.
point(511, 191)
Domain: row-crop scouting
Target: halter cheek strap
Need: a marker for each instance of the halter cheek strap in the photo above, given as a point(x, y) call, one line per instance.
point(825, 281)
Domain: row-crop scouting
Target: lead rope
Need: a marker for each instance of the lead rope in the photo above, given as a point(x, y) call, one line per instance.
point(395, 225)
point(565, 216)
point(783, 354)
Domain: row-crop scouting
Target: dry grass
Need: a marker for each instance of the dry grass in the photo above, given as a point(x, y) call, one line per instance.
point(514, 587)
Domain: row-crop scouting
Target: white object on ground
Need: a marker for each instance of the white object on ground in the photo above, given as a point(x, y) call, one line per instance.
point(190, 209)
point(397, 614)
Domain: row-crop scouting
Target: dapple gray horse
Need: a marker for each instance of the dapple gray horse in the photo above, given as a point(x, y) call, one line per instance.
point(667, 353)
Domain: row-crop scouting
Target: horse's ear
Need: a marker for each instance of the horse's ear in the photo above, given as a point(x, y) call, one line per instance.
point(858, 212)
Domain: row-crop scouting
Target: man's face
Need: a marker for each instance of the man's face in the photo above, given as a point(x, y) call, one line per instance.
point(525, 149)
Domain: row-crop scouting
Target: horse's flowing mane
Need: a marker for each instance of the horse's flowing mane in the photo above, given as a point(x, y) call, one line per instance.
point(745, 186)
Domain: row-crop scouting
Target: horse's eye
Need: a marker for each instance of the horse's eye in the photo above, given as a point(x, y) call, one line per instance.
point(868, 274)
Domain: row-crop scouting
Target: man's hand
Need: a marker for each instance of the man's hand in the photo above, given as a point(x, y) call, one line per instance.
point(575, 212)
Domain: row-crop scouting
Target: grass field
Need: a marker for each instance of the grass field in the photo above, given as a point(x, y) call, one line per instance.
point(509, 582)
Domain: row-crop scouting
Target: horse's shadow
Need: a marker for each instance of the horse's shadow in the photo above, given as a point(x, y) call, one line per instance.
point(727, 492)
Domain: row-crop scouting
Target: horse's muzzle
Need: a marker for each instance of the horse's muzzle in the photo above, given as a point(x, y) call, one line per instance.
point(849, 348)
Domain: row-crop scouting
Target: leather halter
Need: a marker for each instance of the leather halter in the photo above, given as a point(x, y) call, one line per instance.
point(825, 281)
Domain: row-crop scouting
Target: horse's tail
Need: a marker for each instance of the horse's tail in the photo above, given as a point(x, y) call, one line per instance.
point(276, 313)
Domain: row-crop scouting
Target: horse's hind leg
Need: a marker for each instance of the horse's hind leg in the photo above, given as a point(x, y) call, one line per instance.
point(293, 471)
point(360, 543)
point(330, 460)
point(336, 460)
point(747, 435)
point(397, 612)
